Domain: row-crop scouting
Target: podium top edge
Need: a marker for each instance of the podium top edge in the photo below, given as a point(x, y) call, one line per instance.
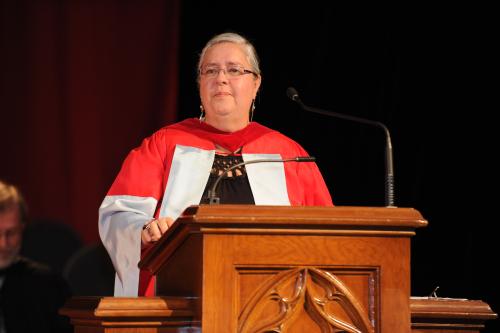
point(409, 217)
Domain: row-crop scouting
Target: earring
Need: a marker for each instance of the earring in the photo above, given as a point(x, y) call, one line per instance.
point(202, 115)
point(252, 109)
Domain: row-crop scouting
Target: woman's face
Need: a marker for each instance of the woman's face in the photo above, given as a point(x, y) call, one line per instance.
point(227, 99)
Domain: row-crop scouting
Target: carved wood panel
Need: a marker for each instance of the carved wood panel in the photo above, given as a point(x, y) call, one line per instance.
point(308, 299)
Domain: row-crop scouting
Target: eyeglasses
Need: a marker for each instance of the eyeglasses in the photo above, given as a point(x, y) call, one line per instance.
point(231, 71)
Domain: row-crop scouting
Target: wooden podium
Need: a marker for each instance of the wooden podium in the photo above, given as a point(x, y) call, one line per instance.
point(239, 268)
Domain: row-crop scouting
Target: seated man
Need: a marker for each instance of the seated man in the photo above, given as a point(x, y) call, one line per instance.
point(30, 293)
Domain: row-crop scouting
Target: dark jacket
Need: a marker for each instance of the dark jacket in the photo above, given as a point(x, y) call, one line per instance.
point(30, 298)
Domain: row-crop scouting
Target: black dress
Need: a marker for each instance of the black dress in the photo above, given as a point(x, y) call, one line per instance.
point(234, 187)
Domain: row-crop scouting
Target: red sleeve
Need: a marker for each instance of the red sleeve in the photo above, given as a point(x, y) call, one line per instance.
point(143, 171)
point(305, 184)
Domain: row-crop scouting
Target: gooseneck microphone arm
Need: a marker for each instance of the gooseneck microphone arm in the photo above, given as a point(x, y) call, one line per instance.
point(212, 193)
point(389, 168)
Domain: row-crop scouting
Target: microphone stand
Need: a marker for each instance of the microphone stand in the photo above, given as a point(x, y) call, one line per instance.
point(389, 168)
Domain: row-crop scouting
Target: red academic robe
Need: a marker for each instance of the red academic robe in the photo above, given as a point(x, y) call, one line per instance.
point(169, 172)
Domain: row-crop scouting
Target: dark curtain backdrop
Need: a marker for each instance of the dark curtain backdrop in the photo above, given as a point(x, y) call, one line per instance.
point(82, 82)
point(426, 71)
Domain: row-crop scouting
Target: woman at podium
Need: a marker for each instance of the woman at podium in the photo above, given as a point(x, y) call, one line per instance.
point(178, 165)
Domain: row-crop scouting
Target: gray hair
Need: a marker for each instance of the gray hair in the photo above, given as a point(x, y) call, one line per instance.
point(230, 37)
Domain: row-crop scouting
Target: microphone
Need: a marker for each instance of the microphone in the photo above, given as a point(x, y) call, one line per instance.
point(212, 193)
point(389, 169)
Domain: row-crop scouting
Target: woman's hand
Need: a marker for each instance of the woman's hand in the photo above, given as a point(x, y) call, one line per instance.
point(154, 229)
